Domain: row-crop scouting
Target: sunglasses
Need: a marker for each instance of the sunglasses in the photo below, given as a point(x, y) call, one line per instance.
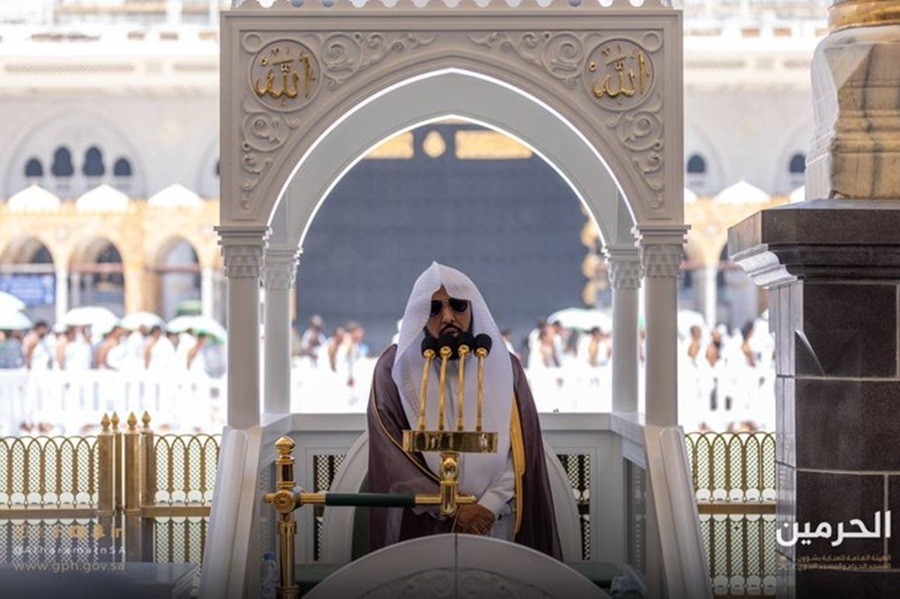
point(459, 306)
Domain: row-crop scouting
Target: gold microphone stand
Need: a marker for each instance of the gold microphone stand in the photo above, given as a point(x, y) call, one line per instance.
point(449, 443)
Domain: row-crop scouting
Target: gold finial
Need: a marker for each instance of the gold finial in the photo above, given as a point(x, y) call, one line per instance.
point(284, 446)
point(104, 423)
point(132, 422)
point(844, 14)
point(115, 421)
point(146, 419)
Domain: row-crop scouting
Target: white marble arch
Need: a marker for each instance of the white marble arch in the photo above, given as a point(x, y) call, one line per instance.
point(430, 97)
point(456, 566)
point(456, 93)
point(373, 71)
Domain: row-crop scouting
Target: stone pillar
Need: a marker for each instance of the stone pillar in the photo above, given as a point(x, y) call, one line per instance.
point(62, 292)
point(207, 292)
point(278, 276)
point(75, 295)
point(242, 250)
point(661, 249)
point(856, 78)
point(173, 12)
point(707, 283)
point(832, 267)
point(134, 288)
point(625, 278)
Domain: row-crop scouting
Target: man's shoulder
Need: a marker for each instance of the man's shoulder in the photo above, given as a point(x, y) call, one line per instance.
point(386, 359)
point(516, 364)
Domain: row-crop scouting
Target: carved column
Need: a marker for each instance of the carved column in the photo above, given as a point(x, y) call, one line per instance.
point(242, 250)
point(706, 278)
point(832, 268)
point(278, 275)
point(75, 285)
point(624, 264)
point(207, 293)
point(62, 292)
point(661, 249)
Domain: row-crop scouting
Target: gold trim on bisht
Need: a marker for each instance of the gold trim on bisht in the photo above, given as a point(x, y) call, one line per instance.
point(844, 14)
point(517, 442)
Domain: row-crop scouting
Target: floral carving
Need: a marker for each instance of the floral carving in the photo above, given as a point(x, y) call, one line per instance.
point(660, 260)
point(345, 54)
point(437, 582)
point(560, 54)
point(641, 131)
point(638, 124)
point(262, 133)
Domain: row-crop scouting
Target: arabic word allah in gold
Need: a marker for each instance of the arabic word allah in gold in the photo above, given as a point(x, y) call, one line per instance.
point(284, 75)
point(618, 74)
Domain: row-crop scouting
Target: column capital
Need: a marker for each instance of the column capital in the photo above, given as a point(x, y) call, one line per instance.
point(661, 249)
point(242, 249)
point(624, 266)
point(280, 267)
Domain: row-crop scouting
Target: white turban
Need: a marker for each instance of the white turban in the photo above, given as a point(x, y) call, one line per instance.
point(477, 471)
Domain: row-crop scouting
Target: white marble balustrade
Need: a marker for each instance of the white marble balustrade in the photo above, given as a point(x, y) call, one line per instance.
point(66, 402)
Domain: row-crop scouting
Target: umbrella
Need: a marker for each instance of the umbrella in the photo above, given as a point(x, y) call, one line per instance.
point(136, 320)
point(189, 308)
point(198, 324)
point(582, 319)
point(10, 303)
point(13, 320)
point(95, 316)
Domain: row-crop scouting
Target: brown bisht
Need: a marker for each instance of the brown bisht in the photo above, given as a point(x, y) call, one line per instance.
point(391, 470)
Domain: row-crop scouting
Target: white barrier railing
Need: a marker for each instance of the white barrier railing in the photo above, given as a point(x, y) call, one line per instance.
point(65, 402)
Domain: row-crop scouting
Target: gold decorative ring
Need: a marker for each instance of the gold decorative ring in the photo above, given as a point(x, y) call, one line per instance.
point(844, 14)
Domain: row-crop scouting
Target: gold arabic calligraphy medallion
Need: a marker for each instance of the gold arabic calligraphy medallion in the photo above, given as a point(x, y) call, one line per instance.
point(618, 74)
point(284, 75)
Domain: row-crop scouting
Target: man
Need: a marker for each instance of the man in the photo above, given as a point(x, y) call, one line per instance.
point(445, 301)
point(313, 338)
point(37, 353)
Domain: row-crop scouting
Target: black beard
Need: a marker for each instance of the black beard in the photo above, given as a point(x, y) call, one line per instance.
point(454, 356)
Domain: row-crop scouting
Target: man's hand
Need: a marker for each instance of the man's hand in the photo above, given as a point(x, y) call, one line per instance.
point(474, 519)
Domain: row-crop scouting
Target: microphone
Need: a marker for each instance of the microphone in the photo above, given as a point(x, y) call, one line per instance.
point(464, 343)
point(429, 344)
point(483, 342)
point(429, 351)
point(483, 345)
point(447, 340)
point(448, 346)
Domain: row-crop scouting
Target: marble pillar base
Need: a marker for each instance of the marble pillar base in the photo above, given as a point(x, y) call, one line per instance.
point(832, 268)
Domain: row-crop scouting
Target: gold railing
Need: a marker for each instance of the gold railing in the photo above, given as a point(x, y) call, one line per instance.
point(58, 473)
point(734, 483)
point(732, 468)
point(155, 489)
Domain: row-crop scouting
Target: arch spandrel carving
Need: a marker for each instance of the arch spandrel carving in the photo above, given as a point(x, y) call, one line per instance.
point(612, 74)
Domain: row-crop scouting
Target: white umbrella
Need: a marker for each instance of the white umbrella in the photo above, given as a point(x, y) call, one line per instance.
point(136, 320)
point(10, 303)
point(13, 320)
point(197, 324)
point(582, 319)
point(94, 316)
